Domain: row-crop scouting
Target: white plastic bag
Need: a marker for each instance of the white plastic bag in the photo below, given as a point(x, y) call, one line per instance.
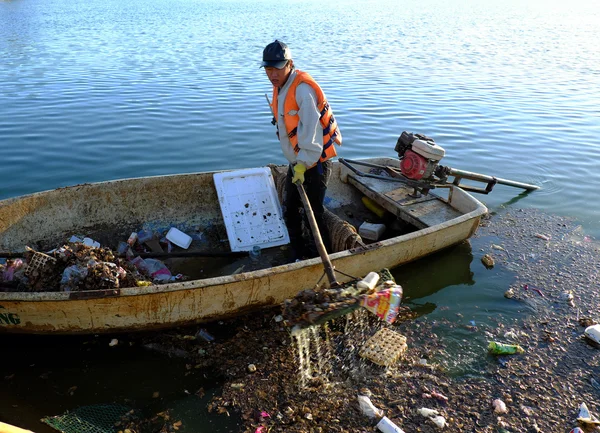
point(367, 408)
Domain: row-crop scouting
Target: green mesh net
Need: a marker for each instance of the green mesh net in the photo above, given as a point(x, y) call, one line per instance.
point(99, 418)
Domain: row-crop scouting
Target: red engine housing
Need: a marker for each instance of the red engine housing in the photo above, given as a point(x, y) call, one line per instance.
point(413, 165)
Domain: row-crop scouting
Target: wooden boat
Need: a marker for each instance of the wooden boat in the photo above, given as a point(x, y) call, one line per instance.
point(110, 211)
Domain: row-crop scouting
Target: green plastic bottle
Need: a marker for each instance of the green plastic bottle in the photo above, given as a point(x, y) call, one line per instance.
point(504, 349)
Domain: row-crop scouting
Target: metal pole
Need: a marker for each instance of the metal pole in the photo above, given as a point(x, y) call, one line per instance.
point(485, 178)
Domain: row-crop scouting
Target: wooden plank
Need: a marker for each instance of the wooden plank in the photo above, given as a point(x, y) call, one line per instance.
point(421, 212)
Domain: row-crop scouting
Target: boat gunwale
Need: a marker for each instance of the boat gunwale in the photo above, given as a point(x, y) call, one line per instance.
point(480, 210)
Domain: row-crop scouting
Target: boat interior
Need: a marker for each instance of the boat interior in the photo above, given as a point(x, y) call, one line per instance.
point(109, 212)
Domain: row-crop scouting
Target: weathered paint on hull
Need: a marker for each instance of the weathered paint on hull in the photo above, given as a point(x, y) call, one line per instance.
point(155, 307)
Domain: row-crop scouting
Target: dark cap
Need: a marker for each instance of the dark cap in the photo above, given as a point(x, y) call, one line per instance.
point(276, 55)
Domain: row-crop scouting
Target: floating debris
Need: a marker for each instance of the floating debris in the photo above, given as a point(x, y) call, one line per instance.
point(488, 261)
point(384, 348)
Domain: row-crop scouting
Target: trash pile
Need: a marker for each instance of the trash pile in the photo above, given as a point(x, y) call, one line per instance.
point(316, 306)
point(83, 264)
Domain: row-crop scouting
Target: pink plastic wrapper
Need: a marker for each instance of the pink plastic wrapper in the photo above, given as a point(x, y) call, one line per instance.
point(384, 303)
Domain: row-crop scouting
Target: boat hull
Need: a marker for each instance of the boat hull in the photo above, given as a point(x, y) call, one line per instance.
point(196, 301)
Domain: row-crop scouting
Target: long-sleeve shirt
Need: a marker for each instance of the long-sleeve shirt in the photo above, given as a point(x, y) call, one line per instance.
point(310, 131)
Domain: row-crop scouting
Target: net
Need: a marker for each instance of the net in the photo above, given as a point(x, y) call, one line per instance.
point(100, 418)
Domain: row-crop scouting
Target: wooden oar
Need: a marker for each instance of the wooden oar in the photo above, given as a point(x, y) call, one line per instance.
point(317, 236)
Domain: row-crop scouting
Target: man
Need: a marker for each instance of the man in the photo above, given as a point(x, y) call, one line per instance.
point(307, 132)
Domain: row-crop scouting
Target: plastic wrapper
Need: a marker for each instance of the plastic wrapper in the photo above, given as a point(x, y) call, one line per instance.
point(385, 303)
point(12, 266)
point(72, 276)
point(157, 270)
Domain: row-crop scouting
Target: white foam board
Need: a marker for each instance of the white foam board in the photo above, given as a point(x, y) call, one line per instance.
point(250, 208)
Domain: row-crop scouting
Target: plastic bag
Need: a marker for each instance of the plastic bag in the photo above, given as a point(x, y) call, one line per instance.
point(368, 408)
point(72, 276)
point(384, 303)
point(12, 266)
point(157, 270)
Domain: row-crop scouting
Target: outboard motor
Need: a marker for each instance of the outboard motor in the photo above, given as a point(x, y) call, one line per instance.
point(419, 155)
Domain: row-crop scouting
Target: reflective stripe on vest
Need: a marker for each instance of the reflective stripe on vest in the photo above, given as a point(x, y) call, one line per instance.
point(331, 133)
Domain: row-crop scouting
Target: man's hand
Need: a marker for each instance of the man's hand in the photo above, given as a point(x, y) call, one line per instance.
point(299, 170)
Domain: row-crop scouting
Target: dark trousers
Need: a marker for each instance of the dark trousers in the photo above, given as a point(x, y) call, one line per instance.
point(315, 185)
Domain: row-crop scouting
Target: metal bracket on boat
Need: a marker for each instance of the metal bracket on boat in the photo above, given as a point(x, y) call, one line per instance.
point(392, 175)
point(438, 180)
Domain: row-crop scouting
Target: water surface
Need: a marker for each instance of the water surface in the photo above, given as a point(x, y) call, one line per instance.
point(97, 90)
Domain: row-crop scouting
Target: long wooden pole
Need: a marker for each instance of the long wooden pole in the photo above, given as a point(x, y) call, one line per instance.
point(7, 428)
point(317, 235)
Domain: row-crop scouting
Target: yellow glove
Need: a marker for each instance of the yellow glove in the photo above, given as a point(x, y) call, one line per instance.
point(299, 170)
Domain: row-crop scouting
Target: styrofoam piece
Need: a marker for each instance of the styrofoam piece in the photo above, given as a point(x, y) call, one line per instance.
point(179, 238)
point(593, 333)
point(251, 209)
point(89, 242)
point(371, 231)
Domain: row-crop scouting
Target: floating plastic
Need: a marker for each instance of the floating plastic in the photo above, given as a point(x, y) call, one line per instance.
point(439, 421)
point(499, 406)
point(384, 348)
point(504, 349)
point(179, 238)
point(586, 417)
point(385, 425)
point(384, 303)
point(593, 333)
point(427, 413)
point(368, 408)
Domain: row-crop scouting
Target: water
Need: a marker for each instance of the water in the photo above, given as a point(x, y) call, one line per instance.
point(96, 90)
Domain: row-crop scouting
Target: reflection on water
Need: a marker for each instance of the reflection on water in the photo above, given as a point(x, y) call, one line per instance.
point(426, 276)
point(46, 376)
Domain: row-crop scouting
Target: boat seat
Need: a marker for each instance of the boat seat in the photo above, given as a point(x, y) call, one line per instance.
point(425, 211)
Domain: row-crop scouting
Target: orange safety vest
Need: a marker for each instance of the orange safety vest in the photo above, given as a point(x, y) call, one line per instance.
point(331, 132)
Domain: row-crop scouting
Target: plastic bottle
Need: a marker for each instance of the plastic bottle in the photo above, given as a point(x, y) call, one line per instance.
point(369, 282)
point(203, 334)
point(132, 238)
point(504, 349)
point(385, 425)
point(255, 252)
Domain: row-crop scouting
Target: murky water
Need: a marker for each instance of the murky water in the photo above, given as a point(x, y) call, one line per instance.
point(96, 90)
